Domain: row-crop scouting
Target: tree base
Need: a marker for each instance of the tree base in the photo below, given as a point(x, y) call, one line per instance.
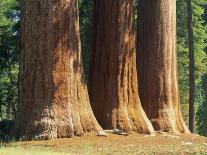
point(48, 128)
point(42, 131)
point(168, 121)
point(128, 120)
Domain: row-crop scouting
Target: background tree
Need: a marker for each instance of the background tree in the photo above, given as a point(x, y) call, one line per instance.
point(191, 68)
point(200, 37)
point(202, 111)
point(157, 65)
point(113, 78)
point(202, 108)
point(53, 94)
point(9, 50)
point(85, 13)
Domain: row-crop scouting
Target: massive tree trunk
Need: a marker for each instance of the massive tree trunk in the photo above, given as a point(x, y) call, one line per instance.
point(113, 77)
point(53, 93)
point(191, 68)
point(157, 65)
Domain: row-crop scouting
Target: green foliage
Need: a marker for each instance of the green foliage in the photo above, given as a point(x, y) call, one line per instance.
point(9, 57)
point(202, 110)
point(85, 14)
point(182, 50)
point(200, 38)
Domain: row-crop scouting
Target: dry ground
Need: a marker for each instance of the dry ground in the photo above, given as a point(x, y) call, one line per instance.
point(123, 145)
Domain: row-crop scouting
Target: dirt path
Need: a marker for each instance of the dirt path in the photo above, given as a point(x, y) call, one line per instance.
point(132, 144)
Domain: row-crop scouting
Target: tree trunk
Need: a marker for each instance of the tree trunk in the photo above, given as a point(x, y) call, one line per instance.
point(1, 112)
point(14, 110)
point(113, 76)
point(204, 118)
point(53, 93)
point(191, 68)
point(157, 65)
point(8, 109)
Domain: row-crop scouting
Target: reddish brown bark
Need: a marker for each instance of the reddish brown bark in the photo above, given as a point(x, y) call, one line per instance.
point(157, 65)
point(53, 94)
point(113, 76)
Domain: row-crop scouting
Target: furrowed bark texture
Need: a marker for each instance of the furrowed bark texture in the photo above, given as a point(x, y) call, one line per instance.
point(113, 77)
point(53, 94)
point(157, 65)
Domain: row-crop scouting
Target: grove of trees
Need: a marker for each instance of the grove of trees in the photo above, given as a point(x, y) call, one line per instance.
point(69, 67)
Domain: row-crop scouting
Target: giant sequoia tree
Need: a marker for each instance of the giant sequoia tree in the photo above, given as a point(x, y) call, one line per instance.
point(113, 77)
point(157, 65)
point(53, 94)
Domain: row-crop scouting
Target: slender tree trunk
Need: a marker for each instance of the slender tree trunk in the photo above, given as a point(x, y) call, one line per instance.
point(204, 120)
point(53, 93)
point(113, 76)
point(14, 110)
point(8, 109)
point(1, 112)
point(157, 65)
point(11, 103)
point(191, 68)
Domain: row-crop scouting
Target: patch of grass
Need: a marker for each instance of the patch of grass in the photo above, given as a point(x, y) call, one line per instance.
point(32, 151)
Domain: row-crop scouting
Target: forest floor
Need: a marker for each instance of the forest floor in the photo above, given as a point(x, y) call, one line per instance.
point(114, 144)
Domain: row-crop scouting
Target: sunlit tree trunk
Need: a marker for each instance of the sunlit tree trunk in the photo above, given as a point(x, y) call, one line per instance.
point(113, 76)
point(53, 94)
point(157, 65)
